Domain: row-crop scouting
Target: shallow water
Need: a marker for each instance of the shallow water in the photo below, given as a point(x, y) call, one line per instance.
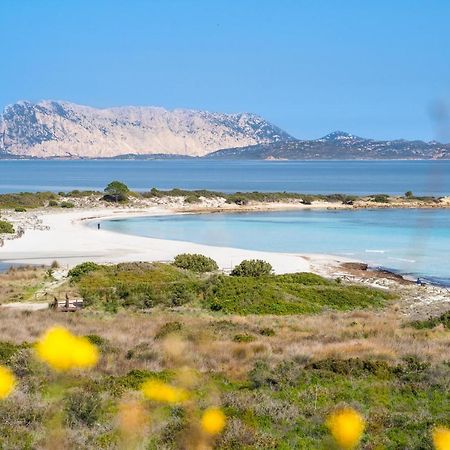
point(350, 177)
point(411, 241)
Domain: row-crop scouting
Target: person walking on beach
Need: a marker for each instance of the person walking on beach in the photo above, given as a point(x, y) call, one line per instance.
point(98, 226)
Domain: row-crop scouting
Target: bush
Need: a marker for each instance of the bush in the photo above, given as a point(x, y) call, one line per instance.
point(381, 198)
point(168, 328)
point(6, 227)
point(82, 269)
point(53, 203)
point(195, 263)
point(67, 205)
point(252, 268)
point(20, 209)
point(433, 322)
point(83, 408)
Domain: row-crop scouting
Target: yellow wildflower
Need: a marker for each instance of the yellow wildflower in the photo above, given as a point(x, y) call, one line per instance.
point(213, 421)
point(63, 351)
point(441, 438)
point(163, 392)
point(7, 382)
point(346, 426)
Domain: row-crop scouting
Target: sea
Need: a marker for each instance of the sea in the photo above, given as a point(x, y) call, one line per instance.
point(412, 242)
point(350, 177)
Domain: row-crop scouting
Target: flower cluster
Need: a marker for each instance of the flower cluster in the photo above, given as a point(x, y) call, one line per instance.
point(7, 382)
point(441, 438)
point(213, 421)
point(162, 392)
point(346, 426)
point(63, 351)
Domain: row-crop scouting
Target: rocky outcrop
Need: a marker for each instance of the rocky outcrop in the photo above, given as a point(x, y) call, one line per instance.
point(62, 129)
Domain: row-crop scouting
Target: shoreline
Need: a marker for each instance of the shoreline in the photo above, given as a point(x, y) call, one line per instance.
point(65, 237)
point(72, 240)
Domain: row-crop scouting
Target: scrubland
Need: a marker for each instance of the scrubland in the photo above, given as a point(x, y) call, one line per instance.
point(276, 369)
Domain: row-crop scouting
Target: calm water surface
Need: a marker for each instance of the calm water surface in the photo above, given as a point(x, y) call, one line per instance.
point(351, 177)
point(413, 242)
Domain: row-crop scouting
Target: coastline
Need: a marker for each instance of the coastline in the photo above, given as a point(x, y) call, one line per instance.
point(65, 237)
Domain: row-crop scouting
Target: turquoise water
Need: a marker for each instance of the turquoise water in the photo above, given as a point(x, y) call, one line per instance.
point(350, 177)
point(410, 241)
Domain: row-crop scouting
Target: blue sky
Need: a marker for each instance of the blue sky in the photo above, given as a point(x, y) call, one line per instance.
point(373, 68)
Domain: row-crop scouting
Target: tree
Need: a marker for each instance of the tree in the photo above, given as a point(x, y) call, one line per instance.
point(116, 191)
point(409, 194)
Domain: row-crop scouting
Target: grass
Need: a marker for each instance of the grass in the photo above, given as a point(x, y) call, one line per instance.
point(21, 283)
point(276, 390)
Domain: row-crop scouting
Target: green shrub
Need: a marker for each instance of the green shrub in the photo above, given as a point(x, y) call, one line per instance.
point(195, 262)
point(83, 407)
point(168, 328)
point(252, 268)
point(380, 198)
point(137, 285)
point(82, 269)
point(243, 338)
point(20, 209)
point(283, 294)
point(8, 349)
point(53, 203)
point(6, 227)
point(191, 199)
point(67, 205)
point(267, 331)
point(432, 322)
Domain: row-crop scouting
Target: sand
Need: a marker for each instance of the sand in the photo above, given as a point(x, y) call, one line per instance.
point(65, 237)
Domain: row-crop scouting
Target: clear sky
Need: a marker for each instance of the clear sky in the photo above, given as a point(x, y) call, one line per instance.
point(372, 68)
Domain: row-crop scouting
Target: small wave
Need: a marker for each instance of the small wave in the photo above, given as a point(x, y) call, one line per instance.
point(375, 251)
point(402, 259)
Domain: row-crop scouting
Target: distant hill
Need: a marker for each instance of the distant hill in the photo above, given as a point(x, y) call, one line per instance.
point(338, 145)
point(63, 129)
point(57, 129)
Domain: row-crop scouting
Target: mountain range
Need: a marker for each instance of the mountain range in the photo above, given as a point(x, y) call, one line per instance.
point(58, 129)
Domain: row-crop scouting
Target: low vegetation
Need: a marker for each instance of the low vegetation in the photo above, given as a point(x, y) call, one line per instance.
point(252, 268)
point(433, 322)
point(195, 263)
point(275, 387)
point(21, 283)
point(6, 227)
point(119, 192)
point(253, 291)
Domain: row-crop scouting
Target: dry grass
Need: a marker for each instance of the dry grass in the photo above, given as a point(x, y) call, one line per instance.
point(19, 284)
point(208, 340)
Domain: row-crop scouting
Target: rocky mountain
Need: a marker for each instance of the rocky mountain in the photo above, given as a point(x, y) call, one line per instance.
point(62, 129)
point(338, 145)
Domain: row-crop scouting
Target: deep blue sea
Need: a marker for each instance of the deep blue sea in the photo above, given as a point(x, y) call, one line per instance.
point(351, 177)
point(414, 242)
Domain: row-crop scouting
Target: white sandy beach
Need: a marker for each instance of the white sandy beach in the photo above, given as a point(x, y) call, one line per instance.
point(70, 241)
